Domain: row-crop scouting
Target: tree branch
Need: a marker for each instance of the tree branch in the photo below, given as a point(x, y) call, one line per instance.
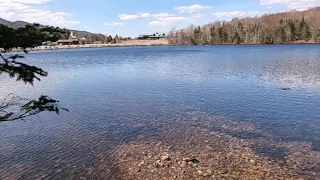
point(4, 59)
point(33, 107)
point(28, 37)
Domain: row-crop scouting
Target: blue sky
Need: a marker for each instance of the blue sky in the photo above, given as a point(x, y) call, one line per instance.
point(131, 18)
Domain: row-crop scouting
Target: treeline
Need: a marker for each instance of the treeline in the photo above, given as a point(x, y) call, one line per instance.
point(104, 39)
point(25, 37)
point(93, 38)
point(101, 38)
point(287, 27)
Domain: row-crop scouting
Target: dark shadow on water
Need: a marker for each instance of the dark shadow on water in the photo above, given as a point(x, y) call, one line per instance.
point(131, 134)
point(315, 145)
point(270, 151)
point(216, 128)
point(299, 132)
point(246, 135)
point(52, 158)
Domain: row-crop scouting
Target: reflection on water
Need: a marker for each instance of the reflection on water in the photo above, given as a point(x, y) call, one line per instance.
point(222, 103)
point(295, 72)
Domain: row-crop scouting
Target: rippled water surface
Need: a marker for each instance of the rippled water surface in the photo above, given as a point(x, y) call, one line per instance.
point(118, 95)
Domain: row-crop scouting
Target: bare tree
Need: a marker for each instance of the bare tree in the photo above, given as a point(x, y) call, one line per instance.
point(285, 27)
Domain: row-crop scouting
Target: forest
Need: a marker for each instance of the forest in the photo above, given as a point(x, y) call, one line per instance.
point(284, 27)
point(95, 38)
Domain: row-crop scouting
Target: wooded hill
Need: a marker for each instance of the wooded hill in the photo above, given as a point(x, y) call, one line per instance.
point(91, 37)
point(285, 27)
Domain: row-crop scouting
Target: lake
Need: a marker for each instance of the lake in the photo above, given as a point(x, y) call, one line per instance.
point(179, 112)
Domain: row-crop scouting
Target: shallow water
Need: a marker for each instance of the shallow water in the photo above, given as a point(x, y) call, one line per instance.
point(116, 95)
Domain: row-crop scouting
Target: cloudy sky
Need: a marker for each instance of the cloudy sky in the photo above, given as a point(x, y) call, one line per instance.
point(133, 17)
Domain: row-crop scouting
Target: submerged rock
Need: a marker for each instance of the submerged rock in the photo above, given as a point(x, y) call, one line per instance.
point(315, 145)
point(192, 161)
point(165, 158)
point(286, 89)
point(159, 164)
point(183, 164)
point(200, 172)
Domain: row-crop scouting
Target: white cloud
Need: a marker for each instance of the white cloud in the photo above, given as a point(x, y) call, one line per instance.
point(198, 16)
point(144, 15)
point(292, 4)
point(7, 15)
point(117, 24)
point(12, 6)
point(45, 17)
point(192, 8)
point(162, 15)
point(24, 10)
point(159, 19)
point(113, 24)
point(167, 21)
point(232, 14)
point(63, 14)
point(128, 16)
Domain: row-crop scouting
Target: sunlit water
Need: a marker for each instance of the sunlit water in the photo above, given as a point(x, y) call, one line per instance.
point(110, 90)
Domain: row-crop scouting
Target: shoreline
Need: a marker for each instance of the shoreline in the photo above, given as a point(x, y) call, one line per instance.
point(133, 43)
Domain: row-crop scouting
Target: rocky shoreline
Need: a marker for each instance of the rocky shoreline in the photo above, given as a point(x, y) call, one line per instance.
point(189, 145)
point(161, 42)
point(200, 154)
point(214, 148)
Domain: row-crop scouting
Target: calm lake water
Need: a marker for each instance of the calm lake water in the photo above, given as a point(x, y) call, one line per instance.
point(110, 90)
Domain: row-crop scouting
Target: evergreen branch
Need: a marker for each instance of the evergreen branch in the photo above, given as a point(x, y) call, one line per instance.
point(24, 38)
point(33, 107)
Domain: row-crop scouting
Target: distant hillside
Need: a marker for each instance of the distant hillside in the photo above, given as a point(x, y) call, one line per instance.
point(284, 27)
point(9, 23)
point(92, 37)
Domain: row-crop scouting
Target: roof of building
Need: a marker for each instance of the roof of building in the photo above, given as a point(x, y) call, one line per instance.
point(66, 41)
point(157, 36)
point(144, 35)
point(72, 36)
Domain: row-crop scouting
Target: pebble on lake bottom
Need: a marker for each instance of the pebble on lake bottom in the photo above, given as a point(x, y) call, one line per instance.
point(182, 154)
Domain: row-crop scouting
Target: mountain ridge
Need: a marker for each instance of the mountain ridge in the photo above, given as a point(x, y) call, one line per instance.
point(20, 24)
